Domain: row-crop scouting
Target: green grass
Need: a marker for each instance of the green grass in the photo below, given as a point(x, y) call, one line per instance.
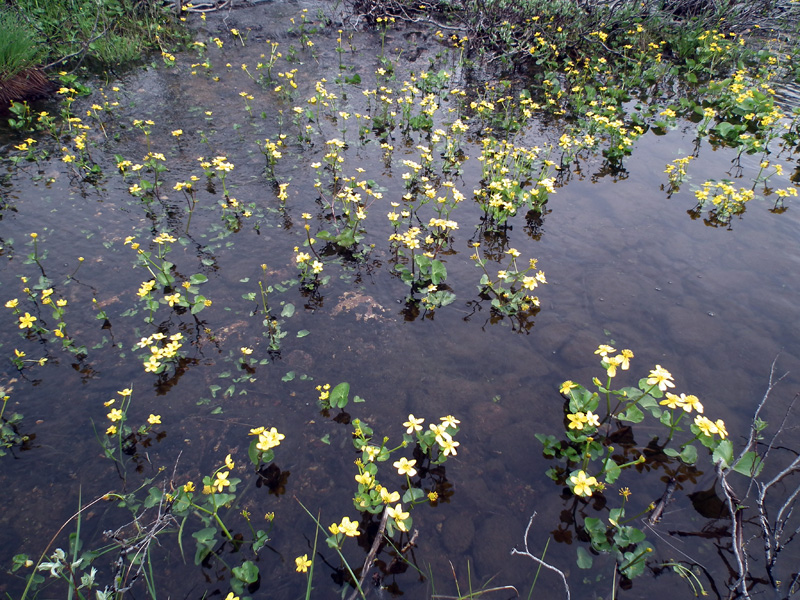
point(101, 33)
point(18, 48)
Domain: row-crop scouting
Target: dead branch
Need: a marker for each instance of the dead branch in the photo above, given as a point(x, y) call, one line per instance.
point(538, 560)
point(368, 562)
point(772, 530)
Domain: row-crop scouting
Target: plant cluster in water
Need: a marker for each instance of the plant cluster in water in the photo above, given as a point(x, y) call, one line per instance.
point(421, 124)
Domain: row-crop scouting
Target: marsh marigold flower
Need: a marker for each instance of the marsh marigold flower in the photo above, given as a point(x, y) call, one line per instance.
point(221, 481)
point(413, 424)
point(582, 485)
point(302, 563)
point(405, 466)
point(660, 377)
point(26, 321)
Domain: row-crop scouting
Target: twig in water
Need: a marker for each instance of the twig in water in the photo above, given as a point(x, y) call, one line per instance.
point(538, 560)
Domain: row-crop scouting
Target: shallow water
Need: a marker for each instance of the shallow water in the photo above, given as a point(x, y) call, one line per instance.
point(625, 265)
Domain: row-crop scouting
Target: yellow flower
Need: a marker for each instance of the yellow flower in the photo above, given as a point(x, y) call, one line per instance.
point(245, 350)
point(364, 479)
point(348, 527)
point(405, 466)
point(672, 401)
point(269, 439)
point(576, 420)
point(567, 386)
point(603, 350)
point(302, 563)
point(229, 462)
point(26, 321)
point(111, 430)
point(691, 402)
point(413, 424)
point(221, 481)
point(154, 419)
point(115, 415)
point(12, 303)
point(126, 392)
point(389, 497)
point(448, 446)
point(582, 485)
point(706, 425)
point(230, 595)
point(660, 377)
point(399, 516)
point(450, 421)
point(188, 487)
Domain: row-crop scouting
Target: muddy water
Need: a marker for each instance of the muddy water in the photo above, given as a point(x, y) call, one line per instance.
point(625, 265)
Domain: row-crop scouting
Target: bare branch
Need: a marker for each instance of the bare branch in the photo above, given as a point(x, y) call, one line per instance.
point(538, 560)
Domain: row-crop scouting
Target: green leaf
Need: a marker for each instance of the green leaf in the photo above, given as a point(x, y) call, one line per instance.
point(303, 333)
point(289, 376)
point(438, 272)
point(689, 455)
point(288, 310)
point(340, 395)
point(248, 572)
point(633, 414)
point(723, 453)
point(198, 278)
point(750, 465)
point(253, 453)
point(584, 558)
point(612, 472)
point(326, 439)
point(412, 495)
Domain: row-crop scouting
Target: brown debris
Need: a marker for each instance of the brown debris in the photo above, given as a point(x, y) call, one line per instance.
point(30, 83)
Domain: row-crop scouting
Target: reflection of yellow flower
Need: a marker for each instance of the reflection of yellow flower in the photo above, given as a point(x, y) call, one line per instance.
point(302, 563)
point(582, 484)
